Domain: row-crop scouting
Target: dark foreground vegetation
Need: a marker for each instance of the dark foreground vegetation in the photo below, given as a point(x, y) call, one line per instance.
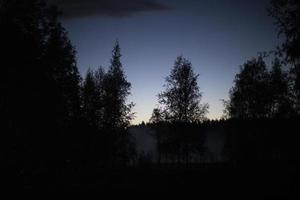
point(257, 180)
point(61, 132)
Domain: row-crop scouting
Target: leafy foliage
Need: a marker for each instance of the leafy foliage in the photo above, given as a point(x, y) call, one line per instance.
point(181, 98)
point(287, 19)
point(249, 97)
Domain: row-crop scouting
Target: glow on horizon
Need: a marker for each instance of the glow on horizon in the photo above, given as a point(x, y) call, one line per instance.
point(145, 118)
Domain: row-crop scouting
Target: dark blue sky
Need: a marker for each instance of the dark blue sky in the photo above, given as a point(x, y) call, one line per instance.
point(217, 36)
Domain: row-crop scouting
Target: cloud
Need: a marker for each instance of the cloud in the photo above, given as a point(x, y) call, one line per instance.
point(111, 8)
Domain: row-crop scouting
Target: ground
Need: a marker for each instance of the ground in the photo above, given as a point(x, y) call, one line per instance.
point(213, 179)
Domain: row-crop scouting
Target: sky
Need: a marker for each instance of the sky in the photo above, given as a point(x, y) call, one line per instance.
point(217, 36)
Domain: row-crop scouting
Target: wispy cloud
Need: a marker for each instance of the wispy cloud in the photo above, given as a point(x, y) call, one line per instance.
point(111, 8)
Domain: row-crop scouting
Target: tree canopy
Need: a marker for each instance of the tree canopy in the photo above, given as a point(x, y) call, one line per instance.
point(181, 99)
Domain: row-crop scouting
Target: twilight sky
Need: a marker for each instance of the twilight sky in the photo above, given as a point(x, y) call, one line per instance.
point(217, 36)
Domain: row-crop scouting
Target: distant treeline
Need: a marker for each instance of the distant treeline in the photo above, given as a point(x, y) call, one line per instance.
point(245, 141)
point(53, 120)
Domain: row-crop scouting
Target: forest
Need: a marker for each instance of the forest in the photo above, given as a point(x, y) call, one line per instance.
point(61, 131)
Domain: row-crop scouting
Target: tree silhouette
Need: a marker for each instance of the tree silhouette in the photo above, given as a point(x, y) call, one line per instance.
point(117, 112)
point(40, 101)
point(287, 20)
point(281, 103)
point(60, 59)
point(89, 98)
point(157, 116)
point(181, 98)
point(92, 97)
point(249, 97)
point(175, 123)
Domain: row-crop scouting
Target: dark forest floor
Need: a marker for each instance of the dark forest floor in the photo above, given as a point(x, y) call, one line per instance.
point(259, 180)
